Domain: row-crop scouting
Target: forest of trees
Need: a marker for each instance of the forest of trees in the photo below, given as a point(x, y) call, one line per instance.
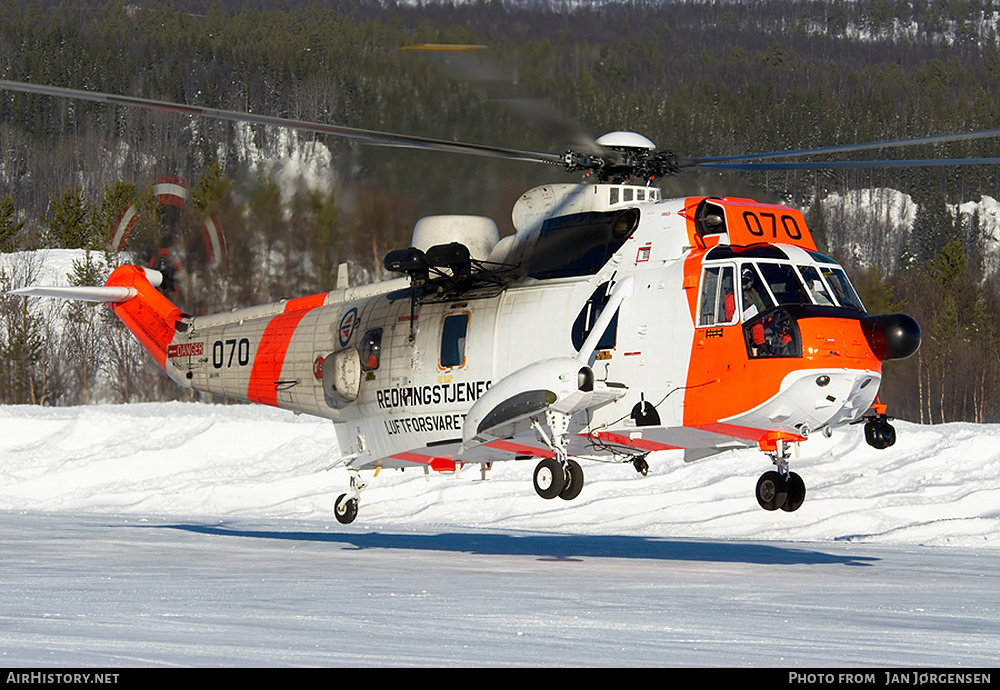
point(700, 78)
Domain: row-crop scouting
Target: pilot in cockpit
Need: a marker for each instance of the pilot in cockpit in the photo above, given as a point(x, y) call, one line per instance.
point(753, 301)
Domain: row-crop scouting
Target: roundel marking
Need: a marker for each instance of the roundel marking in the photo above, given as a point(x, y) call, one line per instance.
point(347, 323)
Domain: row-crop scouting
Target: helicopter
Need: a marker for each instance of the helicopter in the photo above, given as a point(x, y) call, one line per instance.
point(613, 324)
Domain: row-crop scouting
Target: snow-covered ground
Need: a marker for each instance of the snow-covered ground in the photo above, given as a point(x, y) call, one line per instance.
point(193, 535)
point(938, 485)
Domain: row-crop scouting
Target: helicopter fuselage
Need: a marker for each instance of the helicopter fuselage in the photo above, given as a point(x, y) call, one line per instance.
point(722, 328)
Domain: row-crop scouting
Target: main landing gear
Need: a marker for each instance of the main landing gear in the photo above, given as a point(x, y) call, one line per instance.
point(776, 490)
point(879, 433)
point(558, 478)
point(560, 475)
point(780, 488)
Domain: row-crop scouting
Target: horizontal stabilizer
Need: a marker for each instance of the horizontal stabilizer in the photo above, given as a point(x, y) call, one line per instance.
point(87, 294)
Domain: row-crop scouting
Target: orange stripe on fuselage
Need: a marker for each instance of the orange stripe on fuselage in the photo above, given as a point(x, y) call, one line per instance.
point(273, 347)
point(310, 302)
point(692, 274)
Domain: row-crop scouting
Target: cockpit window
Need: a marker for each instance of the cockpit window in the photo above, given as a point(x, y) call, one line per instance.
point(718, 296)
point(842, 287)
point(784, 284)
point(756, 298)
point(814, 285)
point(765, 285)
point(821, 258)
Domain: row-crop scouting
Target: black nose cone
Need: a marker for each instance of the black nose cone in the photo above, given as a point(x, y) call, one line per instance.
point(891, 336)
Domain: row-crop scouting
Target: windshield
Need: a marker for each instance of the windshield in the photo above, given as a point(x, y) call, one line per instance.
point(766, 281)
point(825, 286)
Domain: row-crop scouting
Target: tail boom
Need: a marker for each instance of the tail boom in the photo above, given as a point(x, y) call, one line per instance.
point(151, 317)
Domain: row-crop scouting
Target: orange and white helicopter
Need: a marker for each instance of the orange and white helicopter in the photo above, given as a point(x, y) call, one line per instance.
point(614, 323)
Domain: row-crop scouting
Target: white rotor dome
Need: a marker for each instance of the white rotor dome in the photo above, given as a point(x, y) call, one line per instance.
point(626, 140)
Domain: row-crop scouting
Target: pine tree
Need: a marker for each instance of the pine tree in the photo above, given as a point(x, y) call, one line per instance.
point(10, 227)
point(68, 223)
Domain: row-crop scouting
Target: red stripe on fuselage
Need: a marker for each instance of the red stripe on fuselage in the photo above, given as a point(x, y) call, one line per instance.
point(437, 464)
point(270, 357)
point(521, 449)
point(629, 442)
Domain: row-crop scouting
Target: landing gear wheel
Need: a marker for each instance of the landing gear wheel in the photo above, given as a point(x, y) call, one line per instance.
point(574, 481)
point(345, 509)
point(796, 493)
point(640, 465)
point(550, 478)
point(879, 433)
point(772, 491)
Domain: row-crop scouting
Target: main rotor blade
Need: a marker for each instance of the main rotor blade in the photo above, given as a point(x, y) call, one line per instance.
point(846, 165)
point(473, 64)
point(846, 148)
point(365, 135)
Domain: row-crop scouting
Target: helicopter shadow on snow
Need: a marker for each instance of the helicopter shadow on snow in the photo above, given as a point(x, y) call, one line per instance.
point(554, 547)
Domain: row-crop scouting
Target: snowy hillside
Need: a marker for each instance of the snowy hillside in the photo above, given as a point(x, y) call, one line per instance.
point(938, 485)
point(874, 226)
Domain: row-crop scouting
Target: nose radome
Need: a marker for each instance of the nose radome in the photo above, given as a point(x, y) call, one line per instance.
point(891, 336)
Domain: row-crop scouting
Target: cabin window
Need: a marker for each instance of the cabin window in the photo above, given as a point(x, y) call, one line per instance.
point(718, 296)
point(453, 333)
point(371, 350)
point(585, 321)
